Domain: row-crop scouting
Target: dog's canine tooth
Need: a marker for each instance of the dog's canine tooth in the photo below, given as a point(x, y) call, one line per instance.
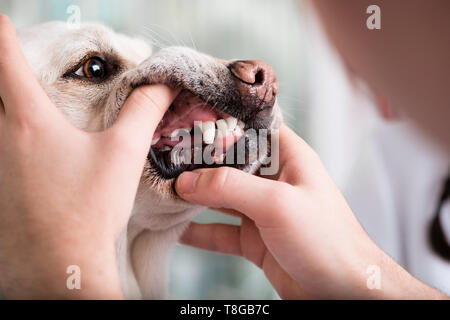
point(219, 158)
point(209, 132)
point(178, 132)
point(241, 124)
point(155, 141)
point(184, 131)
point(238, 131)
point(166, 148)
point(174, 133)
point(222, 127)
point(231, 122)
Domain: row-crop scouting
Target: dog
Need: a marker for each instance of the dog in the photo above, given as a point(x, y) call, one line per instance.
point(89, 72)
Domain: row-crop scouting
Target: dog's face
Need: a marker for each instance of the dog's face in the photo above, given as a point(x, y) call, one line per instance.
point(89, 72)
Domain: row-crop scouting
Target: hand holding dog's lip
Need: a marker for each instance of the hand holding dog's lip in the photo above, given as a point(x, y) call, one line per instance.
point(142, 112)
point(61, 185)
point(93, 104)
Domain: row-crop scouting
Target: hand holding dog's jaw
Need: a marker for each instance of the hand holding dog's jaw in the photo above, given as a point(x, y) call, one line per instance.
point(297, 228)
point(59, 184)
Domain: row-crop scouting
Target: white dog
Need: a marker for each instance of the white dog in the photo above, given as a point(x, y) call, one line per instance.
point(89, 72)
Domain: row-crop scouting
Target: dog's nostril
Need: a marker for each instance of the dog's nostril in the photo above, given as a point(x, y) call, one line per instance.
point(249, 72)
point(259, 77)
point(255, 79)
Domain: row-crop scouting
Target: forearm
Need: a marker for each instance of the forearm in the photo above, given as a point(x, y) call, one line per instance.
point(397, 283)
point(380, 277)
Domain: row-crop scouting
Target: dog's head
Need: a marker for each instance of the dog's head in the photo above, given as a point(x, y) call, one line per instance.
point(89, 72)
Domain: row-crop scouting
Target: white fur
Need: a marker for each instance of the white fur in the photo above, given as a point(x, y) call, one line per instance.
point(158, 218)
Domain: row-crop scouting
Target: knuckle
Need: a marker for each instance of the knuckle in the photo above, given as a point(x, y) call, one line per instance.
point(142, 98)
point(23, 123)
point(23, 132)
point(137, 96)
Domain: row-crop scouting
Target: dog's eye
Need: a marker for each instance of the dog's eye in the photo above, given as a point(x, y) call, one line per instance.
point(94, 68)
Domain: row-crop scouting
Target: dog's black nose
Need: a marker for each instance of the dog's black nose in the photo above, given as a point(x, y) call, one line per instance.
point(256, 82)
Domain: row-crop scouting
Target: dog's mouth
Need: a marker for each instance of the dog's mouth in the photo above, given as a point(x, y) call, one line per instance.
point(194, 134)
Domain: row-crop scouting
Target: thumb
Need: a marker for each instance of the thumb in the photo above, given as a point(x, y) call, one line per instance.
point(260, 199)
point(143, 110)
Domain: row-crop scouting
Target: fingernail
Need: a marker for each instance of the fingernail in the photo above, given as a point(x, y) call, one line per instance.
point(186, 182)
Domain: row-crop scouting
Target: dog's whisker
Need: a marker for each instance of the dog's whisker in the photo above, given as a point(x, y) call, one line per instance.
point(177, 41)
point(192, 40)
point(155, 37)
point(153, 41)
point(153, 34)
point(158, 36)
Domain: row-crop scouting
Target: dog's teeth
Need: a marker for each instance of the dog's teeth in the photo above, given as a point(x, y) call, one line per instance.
point(174, 133)
point(222, 127)
point(166, 148)
point(155, 141)
point(238, 131)
point(179, 132)
point(231, 122)
point(209, 132)
point(184, 131)
point(199, 125)
point(219, 158)
point(241, 124)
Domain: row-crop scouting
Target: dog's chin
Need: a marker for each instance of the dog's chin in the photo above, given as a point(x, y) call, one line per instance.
point(194, 134)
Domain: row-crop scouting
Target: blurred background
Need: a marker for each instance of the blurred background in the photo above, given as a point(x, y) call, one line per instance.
point(319, 102)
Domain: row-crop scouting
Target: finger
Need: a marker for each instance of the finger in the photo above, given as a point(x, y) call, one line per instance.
point(20, 91)
point(142, 112)
point(230, 212)
point(2, 108)
point(299, 162)
point(215, 237)
point(229, 188)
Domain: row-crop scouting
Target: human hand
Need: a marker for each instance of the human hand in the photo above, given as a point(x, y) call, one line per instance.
point(297, 227)
point(65, 194)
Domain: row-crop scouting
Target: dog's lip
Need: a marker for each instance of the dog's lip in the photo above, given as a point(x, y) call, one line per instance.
point(184, 111)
